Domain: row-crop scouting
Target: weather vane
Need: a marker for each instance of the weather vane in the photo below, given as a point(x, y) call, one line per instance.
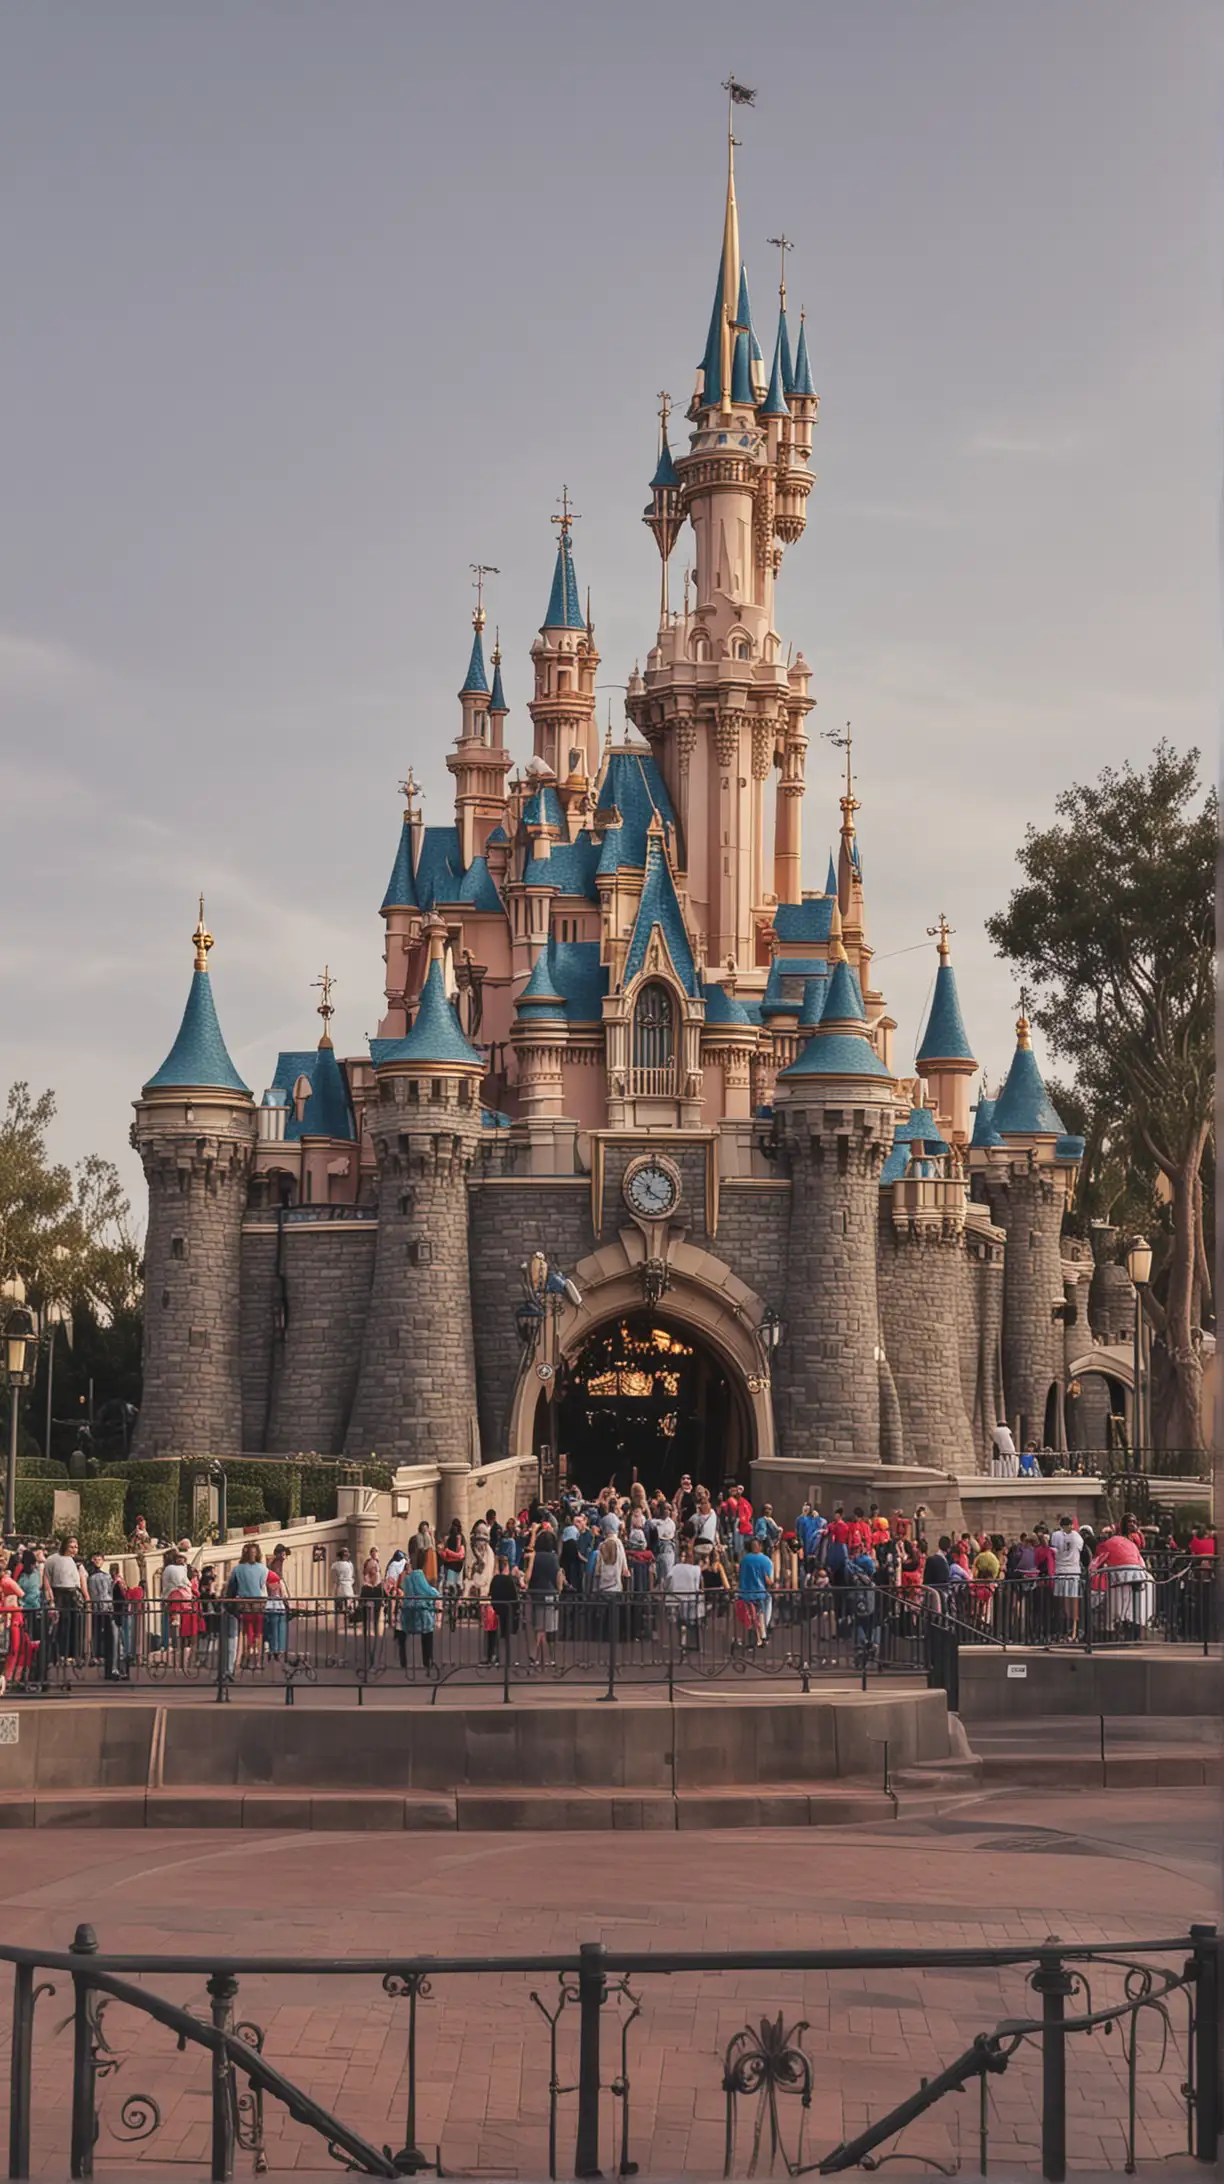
point(481, 569)
point(844, 743)
point(410, 790)
point(325, 1010)
point(568, 514)
point(781, 243)
point(943, 933)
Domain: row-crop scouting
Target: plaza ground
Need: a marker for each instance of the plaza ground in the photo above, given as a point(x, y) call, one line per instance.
point(1001, 1867)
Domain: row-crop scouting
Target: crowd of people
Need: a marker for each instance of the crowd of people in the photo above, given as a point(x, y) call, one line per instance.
point(581, 1566)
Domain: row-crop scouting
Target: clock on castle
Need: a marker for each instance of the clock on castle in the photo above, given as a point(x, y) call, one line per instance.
point(618, 1031)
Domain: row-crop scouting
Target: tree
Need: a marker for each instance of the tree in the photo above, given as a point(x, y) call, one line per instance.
point(1114, 927)
point(69, 1235)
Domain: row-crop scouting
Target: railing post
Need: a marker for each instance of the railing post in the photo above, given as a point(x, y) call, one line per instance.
point(222, 1988)
point(21, 2052)
point(1206, 2042)
point(612, 1609)
point(1052, 1981)
point(84, 1943)
point(592, 1986)
point(1086, 1610)
point(223, 1632)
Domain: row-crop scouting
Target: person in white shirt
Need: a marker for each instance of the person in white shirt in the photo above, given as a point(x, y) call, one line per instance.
point(1004, 1464)
point(682, 1586)
point(344, 1585)
point(1068, 1546)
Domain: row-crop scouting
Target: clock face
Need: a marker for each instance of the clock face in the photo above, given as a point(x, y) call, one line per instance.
point(651, 1189)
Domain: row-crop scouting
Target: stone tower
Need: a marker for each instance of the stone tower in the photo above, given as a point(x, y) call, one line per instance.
point(1029, 1167)
point(835, 1109)
point(922, 1271)
point(195, 1133)
point(416, 1391)
point(945, 1057)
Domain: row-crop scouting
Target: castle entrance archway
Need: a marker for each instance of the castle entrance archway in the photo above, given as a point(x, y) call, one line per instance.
point(646, 1396)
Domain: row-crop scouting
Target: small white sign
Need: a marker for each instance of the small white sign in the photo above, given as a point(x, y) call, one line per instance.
point(10, 1728)
point(1014, 1668)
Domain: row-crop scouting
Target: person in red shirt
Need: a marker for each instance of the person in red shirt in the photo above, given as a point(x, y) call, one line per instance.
point(1202, 1542)
point(1118, 1574)
point(742, 1535)
point(839, 1530)
point(859, 1541)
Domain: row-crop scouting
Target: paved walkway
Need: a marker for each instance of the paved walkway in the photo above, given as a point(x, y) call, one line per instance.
point(1004, 1867)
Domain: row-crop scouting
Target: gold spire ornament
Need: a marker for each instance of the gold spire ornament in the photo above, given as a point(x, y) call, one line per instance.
point(942, 933)
point(410, 790)
point(837, 946)
point(1023, 1041)
point(480, 569)
point(326, 1010)
point(781, 243)
point(203, 941)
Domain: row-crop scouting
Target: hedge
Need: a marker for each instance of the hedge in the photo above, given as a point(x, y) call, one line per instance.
point(158, 1505)
point(101, 1528)
point(35, 1508)
point(258, 1488)
point(42, 1467)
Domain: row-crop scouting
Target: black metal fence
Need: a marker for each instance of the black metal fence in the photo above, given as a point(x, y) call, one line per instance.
point(806, 1633)
point(1167, 1990)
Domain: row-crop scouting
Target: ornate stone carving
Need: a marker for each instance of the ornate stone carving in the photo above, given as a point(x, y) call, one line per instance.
point(762, 748)
point(726, 737)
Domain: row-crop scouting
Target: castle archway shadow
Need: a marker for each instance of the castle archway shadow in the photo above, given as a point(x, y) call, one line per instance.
point(647, 1397)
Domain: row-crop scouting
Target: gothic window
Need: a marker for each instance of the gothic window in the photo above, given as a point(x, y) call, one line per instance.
point(701, 648)
point(654, 1044)
point(741, 649)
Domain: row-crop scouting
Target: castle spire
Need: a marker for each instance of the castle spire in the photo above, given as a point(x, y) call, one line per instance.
point(199, 1059)
point(945, 1056)
point(203, 941)
point(564, 609)
point(325, 1008)
point(803, 370)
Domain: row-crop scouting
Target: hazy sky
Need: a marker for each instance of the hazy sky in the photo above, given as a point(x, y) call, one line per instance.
point(307, 306)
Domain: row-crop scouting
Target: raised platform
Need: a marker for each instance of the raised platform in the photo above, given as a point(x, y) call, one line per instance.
point(756, 1760)
point(1029, 1684)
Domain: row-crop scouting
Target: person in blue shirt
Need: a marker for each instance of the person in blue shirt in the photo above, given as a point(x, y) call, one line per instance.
point(809, 1530)
point(755, 1586)
point(865, 1601)
point(418, 1611)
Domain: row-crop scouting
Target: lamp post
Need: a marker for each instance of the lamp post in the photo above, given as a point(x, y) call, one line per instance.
point(217, 1477)
point(55, 1316)
point(1139, 1267)
point(769, 1335)
point(20, 1335)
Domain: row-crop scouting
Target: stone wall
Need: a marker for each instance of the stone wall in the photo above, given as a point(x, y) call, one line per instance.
point(328, 1274)
point(754, 1237)
point(1033, 1350)
point(196, 1160)
point(827, 1380)
point(921, 1275)
point(260, 1343)
point(509, 1219)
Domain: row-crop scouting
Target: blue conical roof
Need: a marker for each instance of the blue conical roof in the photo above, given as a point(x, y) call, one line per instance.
point(844, 1000)
point(436, 1036)
point(788, 367)
point(775, 403)
point(741, 372)
point(984, 1132)
point(803, 370)
point(836, 1054)
point(539, 1000)
point(660, 905)
point(497, 700)
point(476, 678)
point(666, 473)
point(564, 611)
point(198, 1060)
point(1024, 1108)
point(831, 877)
point(401, 887)
point(815, 994)
point(945, 1038)
point(743, 316)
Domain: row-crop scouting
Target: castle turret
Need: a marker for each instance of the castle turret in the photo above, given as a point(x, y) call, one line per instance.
point(563, 707)
point(195, 1133)
point(480, 761)
point(835, 1115)
point(416, 1391)
point(1028, 1164)
point(945, 1057)
point(923, 1302)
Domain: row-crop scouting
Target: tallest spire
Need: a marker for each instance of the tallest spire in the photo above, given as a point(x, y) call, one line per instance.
point(721, 341)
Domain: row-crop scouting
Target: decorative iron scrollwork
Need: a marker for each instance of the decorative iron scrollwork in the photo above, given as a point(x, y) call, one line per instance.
point(764, 2064)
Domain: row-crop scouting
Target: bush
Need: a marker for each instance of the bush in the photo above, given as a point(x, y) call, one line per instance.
point(35, 1508)
point(41, 1467)
point(245, 1505)
point(101, 1528)
point(158, 1505)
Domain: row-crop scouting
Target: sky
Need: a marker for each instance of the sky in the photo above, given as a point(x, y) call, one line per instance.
point(309, 306)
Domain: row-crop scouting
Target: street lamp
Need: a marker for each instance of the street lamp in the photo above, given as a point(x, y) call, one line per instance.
point(545, 1289)
point(1139, 1267)
point(217, 1477)
point(20, 1335)
point(769, 1335)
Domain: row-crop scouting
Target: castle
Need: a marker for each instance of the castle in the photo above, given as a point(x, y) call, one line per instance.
point(624, 1050)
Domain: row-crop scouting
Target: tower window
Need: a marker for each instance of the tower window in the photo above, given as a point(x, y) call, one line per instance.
point(741, 649)
point(178, 1247)
point(654, 1044)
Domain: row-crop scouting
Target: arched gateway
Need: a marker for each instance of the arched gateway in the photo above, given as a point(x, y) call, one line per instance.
point(661, 1388)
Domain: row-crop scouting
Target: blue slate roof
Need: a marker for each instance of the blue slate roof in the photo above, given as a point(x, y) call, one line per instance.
point(441, 867)
point(564, 611)
point(545, 808)
point(984, 1132)
point(723, 1007)
point(831, 877)
point(328, 1112)
point(775, 1000)
point(741, 371)
point(198, 1059)
point(476, 888)
point(752, 1009)
point(499, 834)
point(775, 403)
point(1024, 1108)
point(633, 786)
point(783, 343)
point(660, 906)
point(921, 1129)
point(435, 1035)
point(570, 867)
point(808, 920)
point(945, 1038)
point(803, 369)
point(844, 1000)
point(666, 473)
point(836, 1054)
point(476, 678)
point(743, 315)
point(581, 979)
point(497, 700)
point(539, 1000)
point(711, 363)
point(1069, 1148)
point(492, 1118)
point(814, 994)
point(401, 887)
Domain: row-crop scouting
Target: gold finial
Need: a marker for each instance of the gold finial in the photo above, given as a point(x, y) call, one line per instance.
point(665, 410)
point(203, 941)
point(837, 946)
point(326, 1011)
point(1023, 1041)
point(480, 569)
point(943, 933)
point(781, 243)
point(410, 790)
point(849, 801)
point(496, 654)
point(568, 517)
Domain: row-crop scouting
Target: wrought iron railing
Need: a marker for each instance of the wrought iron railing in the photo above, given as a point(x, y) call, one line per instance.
point(801, 1634)
point(767, 2075)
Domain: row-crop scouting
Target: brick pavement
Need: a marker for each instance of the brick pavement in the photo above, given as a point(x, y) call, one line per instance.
point(1109, 1867)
